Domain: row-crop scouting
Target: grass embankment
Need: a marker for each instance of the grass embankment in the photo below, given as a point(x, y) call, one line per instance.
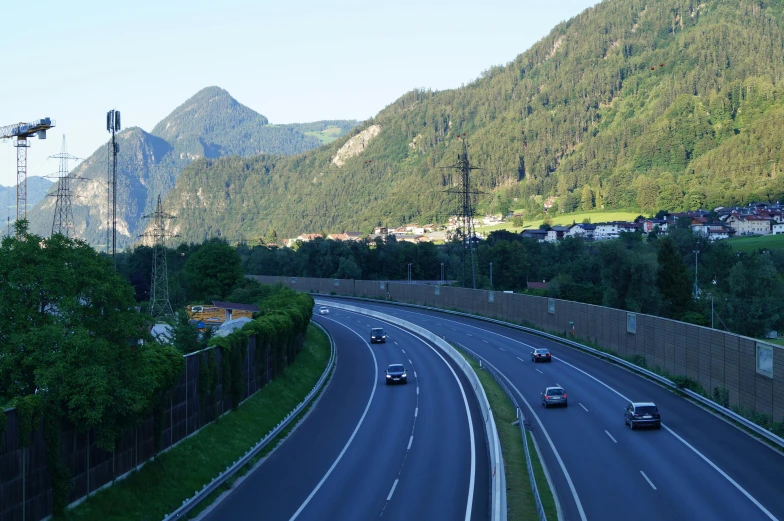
point(565, 219)
point(751, 244)
point(519, 497)
point(160, 486)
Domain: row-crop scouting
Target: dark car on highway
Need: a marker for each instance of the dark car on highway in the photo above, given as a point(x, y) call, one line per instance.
point(642, 414)
point(541, 355)
point(554, 396)
point(377, 335)
point(396, 374)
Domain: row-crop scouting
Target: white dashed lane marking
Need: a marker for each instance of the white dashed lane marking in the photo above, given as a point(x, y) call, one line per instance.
point(610, 435)
point(583, 406)
point(538, 371)
point(392, 491)
point(410, 441)
point(520, 359)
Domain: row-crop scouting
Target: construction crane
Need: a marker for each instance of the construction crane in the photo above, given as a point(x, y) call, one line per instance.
point(23, 132)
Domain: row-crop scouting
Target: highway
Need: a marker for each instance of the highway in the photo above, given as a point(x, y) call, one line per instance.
point(371, 451)
point(696, 467)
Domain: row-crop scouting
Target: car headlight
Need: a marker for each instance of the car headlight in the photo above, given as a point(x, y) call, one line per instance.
point(388, 376)
point(403, 375)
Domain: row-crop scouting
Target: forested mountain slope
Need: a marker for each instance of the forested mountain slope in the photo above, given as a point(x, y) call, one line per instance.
point(210, 124)
point(672, 104)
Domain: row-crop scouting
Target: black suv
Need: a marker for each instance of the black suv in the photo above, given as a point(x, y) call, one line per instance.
point(639, 414)
point(396, 374)
point(377, 335)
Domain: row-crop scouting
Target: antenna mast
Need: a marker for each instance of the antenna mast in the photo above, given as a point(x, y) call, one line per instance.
point(112, 126)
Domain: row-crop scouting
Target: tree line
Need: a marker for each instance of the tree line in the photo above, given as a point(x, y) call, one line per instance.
point(653, 274)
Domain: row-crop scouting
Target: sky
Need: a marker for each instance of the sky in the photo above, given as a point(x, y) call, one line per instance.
point(293, 61)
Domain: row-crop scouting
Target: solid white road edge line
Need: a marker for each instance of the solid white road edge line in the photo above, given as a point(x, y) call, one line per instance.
point(693, 449)
point(552, 447)
point(648, 480)
point(353, 434)
point(610, 435)
point(394, 485)
point(698, 453)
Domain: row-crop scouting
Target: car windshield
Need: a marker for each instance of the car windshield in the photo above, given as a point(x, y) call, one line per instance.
point(542, 351)
point(396, 369)
point(646, 409)
point(378, 331)
point(555, 391)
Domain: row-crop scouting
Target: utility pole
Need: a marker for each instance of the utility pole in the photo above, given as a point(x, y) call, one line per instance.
point(491, 275)
point(159, 288)
point(696, 286)
point(112, 126)
point(442, 273)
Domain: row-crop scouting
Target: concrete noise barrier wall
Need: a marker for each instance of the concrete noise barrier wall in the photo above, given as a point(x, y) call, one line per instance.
point(736, 371)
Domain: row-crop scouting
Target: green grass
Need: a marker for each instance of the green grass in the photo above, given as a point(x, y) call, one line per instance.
point(751, 244)
point(160, 486)
point(566, 219)
point(519, 496)
point(328, 135)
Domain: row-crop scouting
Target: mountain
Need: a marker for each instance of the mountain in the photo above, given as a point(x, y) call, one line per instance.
point(37, 187)
point(674, 104)
point(211, 124)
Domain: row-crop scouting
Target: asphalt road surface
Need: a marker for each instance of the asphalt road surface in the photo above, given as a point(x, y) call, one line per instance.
point(696, 467)
point(372, 451)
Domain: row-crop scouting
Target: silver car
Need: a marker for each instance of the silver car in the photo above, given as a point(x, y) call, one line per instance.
point(554, 396)
point(323, 310)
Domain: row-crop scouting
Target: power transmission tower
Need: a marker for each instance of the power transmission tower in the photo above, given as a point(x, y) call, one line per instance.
point(159, 286)
point(63, 221)
point(112, 126)
point(466, 196)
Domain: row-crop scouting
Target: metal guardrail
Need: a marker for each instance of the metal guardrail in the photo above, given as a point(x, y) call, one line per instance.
point(212, 486)
point(487, 366)
point(757, 429)
point(498, 476)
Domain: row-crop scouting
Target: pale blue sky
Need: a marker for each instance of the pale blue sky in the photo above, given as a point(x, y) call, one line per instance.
point(293, 61)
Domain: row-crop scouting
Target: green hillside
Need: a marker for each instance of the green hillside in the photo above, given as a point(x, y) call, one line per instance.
point(631, 105)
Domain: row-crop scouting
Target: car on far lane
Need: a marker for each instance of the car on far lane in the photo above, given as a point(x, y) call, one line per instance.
point(396, 374)
point(377, 335)
point(642, 414)
point(323, 310)
point(554, 396)
point(541, 355)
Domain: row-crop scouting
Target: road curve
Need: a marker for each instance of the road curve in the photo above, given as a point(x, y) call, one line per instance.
point(368, 450)
point(696, 467)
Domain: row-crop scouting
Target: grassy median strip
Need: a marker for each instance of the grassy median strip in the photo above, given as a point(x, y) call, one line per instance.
point(160, 486)
point(520, 501)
